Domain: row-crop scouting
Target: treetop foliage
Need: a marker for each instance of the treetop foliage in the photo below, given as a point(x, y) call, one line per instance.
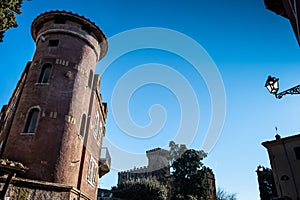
point(144, 188)
point(8, 9)
point(176, 151)
point(223, 195)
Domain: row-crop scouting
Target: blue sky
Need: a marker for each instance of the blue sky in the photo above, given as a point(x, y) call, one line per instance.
point(245, 43)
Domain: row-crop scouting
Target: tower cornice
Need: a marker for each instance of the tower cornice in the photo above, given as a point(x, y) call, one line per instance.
point(93, 29)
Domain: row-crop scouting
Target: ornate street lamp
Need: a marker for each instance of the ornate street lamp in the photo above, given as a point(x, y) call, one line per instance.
point(273, 86)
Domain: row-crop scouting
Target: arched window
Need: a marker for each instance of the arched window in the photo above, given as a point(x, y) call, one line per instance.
point(31, 121)
point(82, 125)
point(45, 73)
point(90, 79)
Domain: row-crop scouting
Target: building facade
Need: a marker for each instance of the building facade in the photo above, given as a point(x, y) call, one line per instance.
point(289, 9)
point(284, 155)
point(54, 121)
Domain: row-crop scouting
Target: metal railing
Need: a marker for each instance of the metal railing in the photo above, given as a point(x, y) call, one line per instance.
point(105, 158)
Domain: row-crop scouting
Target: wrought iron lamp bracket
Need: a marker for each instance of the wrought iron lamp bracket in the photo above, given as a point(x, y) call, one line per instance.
point(293, 90)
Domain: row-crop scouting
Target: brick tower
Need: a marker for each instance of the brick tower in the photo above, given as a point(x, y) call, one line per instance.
point(54, 122)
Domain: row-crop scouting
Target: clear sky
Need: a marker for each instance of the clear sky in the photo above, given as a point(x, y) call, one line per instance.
point(179, 70)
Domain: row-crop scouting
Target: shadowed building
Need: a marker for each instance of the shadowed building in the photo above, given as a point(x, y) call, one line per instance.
point(289, 9)
point(158, 167)
point(284, 155)
point(54, 121)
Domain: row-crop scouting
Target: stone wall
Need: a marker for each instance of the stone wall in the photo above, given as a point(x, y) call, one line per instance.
point(25, 189)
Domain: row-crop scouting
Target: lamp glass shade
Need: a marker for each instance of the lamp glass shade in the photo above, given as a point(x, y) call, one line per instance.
point(272, 85)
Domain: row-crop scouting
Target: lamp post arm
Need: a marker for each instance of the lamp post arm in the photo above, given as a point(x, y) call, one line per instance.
point(293, 90)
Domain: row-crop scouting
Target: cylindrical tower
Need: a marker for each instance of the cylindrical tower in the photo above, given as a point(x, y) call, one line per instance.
point(50, 127)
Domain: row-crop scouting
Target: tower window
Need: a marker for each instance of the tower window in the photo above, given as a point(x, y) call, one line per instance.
point(31, 121)
point(59, 20)
point(86, 28)
point(96, 124)
point(90, 79)
point(100, 133)
point(92, 172)
point(97, 128)
point(53, 43)
point(297, 152)
point(82, 125)
point(45, 73)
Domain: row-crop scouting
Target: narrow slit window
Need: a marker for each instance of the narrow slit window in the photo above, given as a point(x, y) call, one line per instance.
point(96, 124)
point(31, 121)
point(59, 20)
point(45, 73)
point(90, 79)
point(86, 29)
point(100, 133)
point(82, 125)
point(53, 43)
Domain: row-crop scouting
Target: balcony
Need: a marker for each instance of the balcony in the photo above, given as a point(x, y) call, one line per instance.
point(105, 162)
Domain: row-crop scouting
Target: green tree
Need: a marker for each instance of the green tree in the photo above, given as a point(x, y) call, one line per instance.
point(266, 183)
point(8, 9)
point(177, 150)
point(144, 188)
point(189, 176)
point(223, 195)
